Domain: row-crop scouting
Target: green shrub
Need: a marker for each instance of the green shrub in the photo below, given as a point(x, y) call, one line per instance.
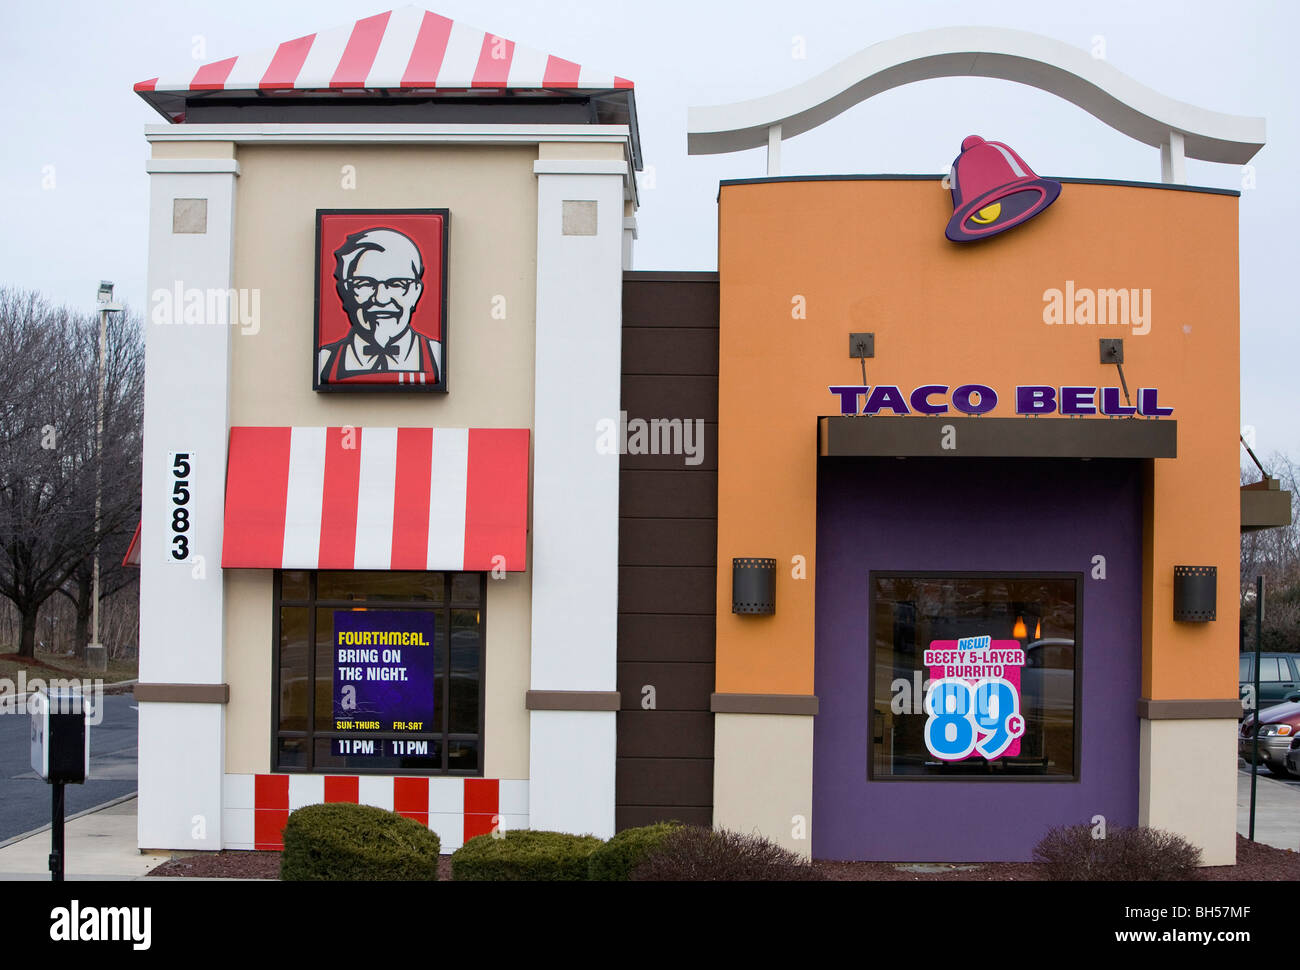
point(524, 855)
point(615, 860)
point(342, 841)
point(1073, 853)
point(694, 854)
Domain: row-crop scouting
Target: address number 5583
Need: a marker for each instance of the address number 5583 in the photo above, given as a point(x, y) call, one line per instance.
point(180, 538)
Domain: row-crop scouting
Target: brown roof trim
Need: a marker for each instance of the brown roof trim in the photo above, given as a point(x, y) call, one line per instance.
point(1198, 708)
point(669, 276)
point(803, 704)
point(572, 700)
point(183, 693)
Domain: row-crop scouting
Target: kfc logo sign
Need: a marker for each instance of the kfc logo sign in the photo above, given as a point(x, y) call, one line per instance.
point(381, 300)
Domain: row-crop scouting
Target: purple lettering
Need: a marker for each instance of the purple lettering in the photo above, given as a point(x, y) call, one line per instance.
point(1110, 403)
point(921, 399)
point(1149, 406)
point(1078, 400)
point(961, 398)
point(1035, 399)
point(849, 394)
point(885, 396)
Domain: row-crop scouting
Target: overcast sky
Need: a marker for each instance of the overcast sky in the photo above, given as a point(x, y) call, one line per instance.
point(75, 195)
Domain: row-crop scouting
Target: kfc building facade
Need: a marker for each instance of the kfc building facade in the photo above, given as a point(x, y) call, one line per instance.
point(929, 594)
point(379, 549)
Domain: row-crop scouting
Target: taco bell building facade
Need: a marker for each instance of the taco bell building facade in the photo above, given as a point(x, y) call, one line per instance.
point(935, 594)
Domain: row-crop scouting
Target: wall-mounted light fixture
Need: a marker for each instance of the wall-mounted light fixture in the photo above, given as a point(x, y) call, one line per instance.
point(753, 586)
point(1195, 593)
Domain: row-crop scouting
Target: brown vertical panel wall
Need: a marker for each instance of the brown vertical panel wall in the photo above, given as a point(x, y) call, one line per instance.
point(667, 554)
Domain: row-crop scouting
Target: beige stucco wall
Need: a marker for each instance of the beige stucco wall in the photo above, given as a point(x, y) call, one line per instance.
point(776, 801)
point(492, 195)
point(1186, 789)
point(194, 149)
point(248, 670)
point(607, 151)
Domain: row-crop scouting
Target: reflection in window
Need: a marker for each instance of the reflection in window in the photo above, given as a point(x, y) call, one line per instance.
point(985, 630)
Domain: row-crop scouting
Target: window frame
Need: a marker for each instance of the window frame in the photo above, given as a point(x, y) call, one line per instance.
point(999, 778)
point(312, 734)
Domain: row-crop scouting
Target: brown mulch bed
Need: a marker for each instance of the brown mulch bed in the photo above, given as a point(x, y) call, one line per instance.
point(1254, 861)
point(239, 864)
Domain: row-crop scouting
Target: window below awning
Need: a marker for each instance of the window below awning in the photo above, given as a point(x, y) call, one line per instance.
point(377, 498)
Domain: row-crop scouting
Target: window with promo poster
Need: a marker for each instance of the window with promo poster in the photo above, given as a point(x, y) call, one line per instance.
point(381, 300)
point(378, 672)
point(975, 676)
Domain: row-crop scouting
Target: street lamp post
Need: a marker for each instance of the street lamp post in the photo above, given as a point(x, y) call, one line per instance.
point(96, 655)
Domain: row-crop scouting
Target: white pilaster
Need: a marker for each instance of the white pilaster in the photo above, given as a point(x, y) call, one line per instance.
point(1173, 161)
point(575, 489)
point(629, 237)
point(187, 368)
point(773, 150)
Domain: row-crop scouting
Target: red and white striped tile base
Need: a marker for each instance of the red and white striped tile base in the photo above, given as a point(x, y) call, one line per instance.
point(256, 807)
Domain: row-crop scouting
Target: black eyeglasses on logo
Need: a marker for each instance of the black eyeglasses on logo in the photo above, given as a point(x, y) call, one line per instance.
point(364, 288)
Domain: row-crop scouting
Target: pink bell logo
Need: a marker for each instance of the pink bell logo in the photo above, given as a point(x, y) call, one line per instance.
point(993, 190)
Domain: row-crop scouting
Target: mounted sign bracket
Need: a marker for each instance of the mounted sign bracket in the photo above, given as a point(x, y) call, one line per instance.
point(1112, 352)
point(862, 346)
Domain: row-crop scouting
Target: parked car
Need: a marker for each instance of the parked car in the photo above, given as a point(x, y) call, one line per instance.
point(1279, 727)
point(1293, 757)
point(1279, 679)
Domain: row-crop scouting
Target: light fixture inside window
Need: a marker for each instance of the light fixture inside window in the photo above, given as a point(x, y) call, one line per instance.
point(1038, 630)
point(1018, 631)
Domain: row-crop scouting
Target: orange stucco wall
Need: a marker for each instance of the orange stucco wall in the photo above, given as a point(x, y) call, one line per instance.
point(870, 255)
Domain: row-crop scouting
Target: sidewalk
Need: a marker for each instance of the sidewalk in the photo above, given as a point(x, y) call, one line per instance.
point(1277, 811)
point(98, 844)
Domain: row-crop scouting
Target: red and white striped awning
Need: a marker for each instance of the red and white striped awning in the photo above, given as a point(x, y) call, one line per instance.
point(377, 498)
point(406, 48)
point(132, 556)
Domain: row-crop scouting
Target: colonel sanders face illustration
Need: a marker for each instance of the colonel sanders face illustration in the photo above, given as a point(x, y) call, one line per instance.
point(378, 273)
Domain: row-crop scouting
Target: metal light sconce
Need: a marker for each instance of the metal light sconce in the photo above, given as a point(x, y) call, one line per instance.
point(1195, 593)
point(753, 586)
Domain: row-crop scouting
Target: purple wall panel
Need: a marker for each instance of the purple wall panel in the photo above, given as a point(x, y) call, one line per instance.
point(963, 515)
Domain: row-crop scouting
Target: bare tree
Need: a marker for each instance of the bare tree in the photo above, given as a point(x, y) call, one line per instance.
point(49, 360)
point(1275, 555)
point(113, 577)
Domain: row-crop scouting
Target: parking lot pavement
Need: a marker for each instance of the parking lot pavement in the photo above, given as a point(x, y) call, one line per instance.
point(25, 798)
point(1277, 808)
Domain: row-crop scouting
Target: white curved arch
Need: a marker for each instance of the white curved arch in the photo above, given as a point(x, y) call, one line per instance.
point(1094, 85)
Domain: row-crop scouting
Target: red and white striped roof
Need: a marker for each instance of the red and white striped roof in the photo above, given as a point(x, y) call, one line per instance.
point(377, 498)
point(406, 48)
